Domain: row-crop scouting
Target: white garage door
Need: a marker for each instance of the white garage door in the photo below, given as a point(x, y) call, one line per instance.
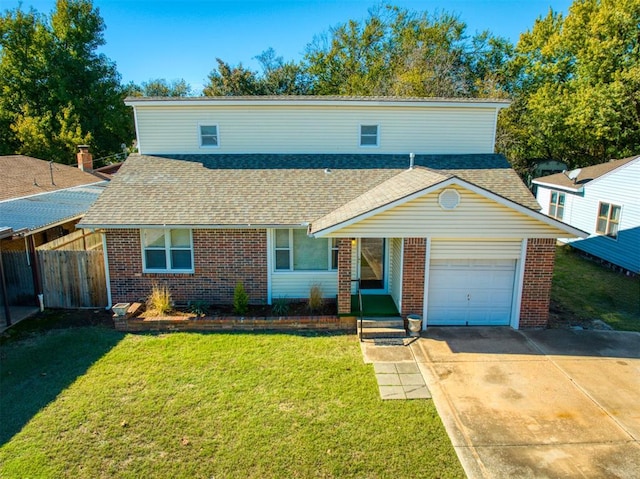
point(470, 292)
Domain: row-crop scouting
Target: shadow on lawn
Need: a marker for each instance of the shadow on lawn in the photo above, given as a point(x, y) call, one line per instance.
point(36, 369)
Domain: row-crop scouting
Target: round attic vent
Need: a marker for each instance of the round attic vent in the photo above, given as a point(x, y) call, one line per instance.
point(449, 199)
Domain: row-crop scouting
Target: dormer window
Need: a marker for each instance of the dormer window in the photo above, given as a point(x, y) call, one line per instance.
point(369, 135)
point(208, 136)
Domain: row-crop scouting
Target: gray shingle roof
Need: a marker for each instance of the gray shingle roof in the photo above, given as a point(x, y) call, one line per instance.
point(253, 189)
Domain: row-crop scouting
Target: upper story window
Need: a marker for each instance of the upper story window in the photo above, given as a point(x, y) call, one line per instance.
point(294, 250)
point(608, 220)
point(369, 135)
point(556, 205)
point(208, 135)
point(167, 250)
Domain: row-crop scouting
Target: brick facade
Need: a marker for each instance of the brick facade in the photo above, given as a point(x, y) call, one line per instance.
point(344, 275)
point(221, 259)
point(413, 276)
point(536, 288)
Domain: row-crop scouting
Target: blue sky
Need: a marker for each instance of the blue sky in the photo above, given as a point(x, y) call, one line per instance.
point(181, 39)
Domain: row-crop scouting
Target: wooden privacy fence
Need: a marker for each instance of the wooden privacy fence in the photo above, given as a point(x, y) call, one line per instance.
point(73, 277)
point(18, 276)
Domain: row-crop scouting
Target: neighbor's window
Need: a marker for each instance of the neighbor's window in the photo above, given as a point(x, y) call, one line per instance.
point(368, 135)
point(167, 250)
point(608, 220)
point(294, 250)
point(208, 135)
point(556, 205)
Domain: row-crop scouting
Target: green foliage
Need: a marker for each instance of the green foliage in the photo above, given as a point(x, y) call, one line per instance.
point(315, 298)
point(576, 87)
point(57, 91)
point(280, 307)
point(159, 301)
point(399, 52)
point(240, 300)
point(160, 87)
point(199, 308)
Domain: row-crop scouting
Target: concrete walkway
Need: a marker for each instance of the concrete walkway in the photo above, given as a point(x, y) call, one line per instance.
point(538, 404)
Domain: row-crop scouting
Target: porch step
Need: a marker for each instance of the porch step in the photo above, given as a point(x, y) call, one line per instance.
point(386, 327)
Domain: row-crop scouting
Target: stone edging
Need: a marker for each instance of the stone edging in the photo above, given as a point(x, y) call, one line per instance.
point(237, 323)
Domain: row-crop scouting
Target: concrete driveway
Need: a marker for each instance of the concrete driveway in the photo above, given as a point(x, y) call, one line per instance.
point(549, 403)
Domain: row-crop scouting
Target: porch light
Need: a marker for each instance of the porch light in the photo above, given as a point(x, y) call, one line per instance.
point(353, 242)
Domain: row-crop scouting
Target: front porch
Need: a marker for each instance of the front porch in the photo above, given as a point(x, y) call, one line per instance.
point(374, 305)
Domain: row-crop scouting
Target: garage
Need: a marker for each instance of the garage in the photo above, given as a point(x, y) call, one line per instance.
point(470, 292)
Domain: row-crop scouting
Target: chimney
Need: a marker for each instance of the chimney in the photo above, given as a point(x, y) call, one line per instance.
point(85, 159)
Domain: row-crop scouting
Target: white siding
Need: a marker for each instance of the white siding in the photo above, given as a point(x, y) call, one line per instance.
point(296, 284)
point(316, 129)
point(476, 217)
point(581, 210)
point(395, 271)
point(475, 249)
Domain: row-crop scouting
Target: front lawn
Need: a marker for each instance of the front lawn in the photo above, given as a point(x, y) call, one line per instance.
point(585, 290)
point(92, 402)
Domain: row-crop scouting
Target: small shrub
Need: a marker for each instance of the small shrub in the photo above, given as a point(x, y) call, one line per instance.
point(315, 298)
point(240, 300)
point(159, 301)
point(199, 308)
point(280, 307)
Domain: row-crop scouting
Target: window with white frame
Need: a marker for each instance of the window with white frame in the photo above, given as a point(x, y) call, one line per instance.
point(608, 220)
point(556, 205)
point(208, 135)
point(167, 250)
point(334, 253)
point(369, 135)
point(294, 250)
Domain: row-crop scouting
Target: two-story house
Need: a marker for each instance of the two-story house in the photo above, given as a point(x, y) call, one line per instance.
point(405, 195)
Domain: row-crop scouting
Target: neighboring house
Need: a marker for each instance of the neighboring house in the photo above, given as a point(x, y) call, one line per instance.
point(281, 193)
point(40, 201)
point(602, 200)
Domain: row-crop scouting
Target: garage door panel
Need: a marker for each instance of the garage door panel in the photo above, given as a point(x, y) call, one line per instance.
point(470, 292)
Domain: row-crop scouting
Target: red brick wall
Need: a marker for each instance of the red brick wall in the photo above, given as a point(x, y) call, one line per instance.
point(413, 275)
point(344, 275)
point(221, 259)
point(536, 288)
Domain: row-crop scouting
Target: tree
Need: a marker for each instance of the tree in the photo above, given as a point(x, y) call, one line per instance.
point(233, 81)
point(399, 52)
point(57, 91)
point(160, 87)
point(576, 87)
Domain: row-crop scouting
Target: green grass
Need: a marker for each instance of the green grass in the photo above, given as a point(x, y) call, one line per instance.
point(91, 402)
point(591, 291)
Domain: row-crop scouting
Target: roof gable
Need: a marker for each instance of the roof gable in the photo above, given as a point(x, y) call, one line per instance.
point(480, 214)
point(586, 175)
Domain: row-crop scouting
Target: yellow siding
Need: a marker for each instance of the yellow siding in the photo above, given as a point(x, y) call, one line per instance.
point(303, 129)
point(395, 270)
point(475, 217)
point(475, 249)
point(296, 284)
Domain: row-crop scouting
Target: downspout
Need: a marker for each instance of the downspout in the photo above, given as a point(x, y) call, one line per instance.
point(107, 276)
